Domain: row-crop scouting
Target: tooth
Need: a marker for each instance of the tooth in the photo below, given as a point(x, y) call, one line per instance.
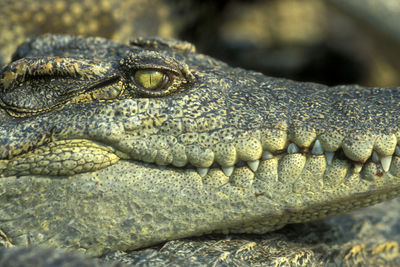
point(202, 171)
point(253, 165)
point(329, 157)
point(375, 157)
point(317, 149)
point(228, 170)
point(292, 149)
point(397, 151)
point(385, 161)
point(267, 155)
point(357, 167)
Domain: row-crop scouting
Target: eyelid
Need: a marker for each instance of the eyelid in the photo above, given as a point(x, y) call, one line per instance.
point(178, 73)
point(157, 61)
point(166, 71)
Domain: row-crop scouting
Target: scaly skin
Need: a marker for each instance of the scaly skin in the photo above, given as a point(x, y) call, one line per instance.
point(92, 160)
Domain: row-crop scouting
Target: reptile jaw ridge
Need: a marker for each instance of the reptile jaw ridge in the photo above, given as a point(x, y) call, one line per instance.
point(70, 156)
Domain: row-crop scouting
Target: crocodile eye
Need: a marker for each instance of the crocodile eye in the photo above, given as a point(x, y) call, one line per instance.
point(151, 79)
point(156, 82)
point(150, 74)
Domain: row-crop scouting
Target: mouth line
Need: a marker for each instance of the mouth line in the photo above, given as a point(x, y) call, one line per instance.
point(382, 163)
point(98, 155)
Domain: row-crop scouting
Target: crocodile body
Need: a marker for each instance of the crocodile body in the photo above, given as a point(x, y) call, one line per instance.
point(94, 159)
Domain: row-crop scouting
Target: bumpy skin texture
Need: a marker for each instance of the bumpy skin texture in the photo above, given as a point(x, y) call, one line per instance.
point(111, 166)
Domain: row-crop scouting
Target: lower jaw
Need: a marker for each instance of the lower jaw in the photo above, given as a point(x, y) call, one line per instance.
point(70, 157)
point(132, 204)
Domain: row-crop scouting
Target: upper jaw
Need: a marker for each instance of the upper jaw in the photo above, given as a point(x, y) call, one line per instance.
point(221, 121)
point(143, 130)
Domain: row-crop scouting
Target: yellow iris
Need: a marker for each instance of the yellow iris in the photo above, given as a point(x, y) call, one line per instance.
point(150, 79)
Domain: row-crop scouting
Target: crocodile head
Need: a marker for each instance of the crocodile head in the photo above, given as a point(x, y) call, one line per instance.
point(187, 144)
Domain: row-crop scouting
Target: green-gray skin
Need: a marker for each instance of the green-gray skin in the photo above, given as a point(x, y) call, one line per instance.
point(93, 161)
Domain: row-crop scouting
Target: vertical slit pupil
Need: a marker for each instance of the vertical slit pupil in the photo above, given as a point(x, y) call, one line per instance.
point(150, 79)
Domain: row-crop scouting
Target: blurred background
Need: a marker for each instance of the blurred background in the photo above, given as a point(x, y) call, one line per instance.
point(325, 41)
